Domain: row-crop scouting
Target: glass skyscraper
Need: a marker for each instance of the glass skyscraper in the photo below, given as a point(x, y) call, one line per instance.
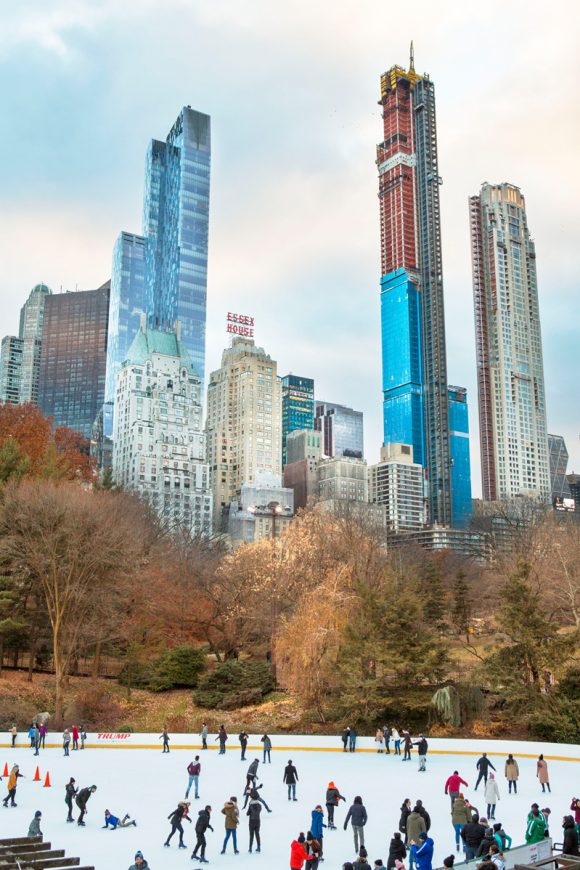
point(558, 453)
point(297, 407)
point(342, 430)
point(460, 464)
point(20, 359)
point(175, 227)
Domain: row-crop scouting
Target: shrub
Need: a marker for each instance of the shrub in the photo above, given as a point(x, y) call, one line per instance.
point(137, 674)
point(94, 709)
point(228, 682)
point(570, 685)
point(179, 667)
point(557, 720)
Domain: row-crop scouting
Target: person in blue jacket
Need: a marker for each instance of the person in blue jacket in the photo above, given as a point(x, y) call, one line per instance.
point(317, 824)
point(424, 853)
point(116, 822)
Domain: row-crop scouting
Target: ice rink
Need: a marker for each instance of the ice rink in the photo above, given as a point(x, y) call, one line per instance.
point(148, 784)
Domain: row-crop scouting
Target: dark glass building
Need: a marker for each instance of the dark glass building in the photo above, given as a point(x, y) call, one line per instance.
point(73, 357)
point(460, 464)
point(297, 407)
point(342, 430)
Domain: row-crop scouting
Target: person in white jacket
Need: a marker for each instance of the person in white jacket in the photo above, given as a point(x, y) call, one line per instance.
point(491, 794)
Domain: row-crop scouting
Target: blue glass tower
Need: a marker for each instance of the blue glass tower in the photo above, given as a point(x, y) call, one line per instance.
point(459, 448)
point(297, 406)
point(175, 226)
point(401, 357)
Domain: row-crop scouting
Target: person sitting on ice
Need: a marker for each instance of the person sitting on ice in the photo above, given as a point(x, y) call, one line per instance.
point(115, 822)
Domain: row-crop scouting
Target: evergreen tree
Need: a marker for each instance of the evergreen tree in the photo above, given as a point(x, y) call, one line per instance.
point(432, 590)
point(461, 609)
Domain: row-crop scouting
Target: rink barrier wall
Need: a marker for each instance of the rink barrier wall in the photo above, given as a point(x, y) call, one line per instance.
point(314, 743)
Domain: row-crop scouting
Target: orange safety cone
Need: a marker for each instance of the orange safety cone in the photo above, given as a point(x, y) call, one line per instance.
point(36, 777)
point(47, 780)
point(6, 769)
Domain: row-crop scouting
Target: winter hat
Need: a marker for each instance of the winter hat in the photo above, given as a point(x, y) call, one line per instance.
point(489, 832)
point(107, 813)
point(422, 835)
point(332, 785)
point(363, 852)
point(138, 854)
point(491, 776)
point(379, 863)
point(301, 838)
point(37, 814)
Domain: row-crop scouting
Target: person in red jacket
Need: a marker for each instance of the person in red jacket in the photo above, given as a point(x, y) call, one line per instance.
point(75, 737)
point(453, 786)
point(298, 853)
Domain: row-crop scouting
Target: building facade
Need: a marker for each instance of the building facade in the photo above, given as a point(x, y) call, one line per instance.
point(20, 358)
point(244, 422)
point(342, 430)
point(460, 460)
point(558, 454)
point(264, 511)
point(159, 444)
point(343, 478)
point(510, 368)
point(415, 408)
point(396, 482)
point(297, 407)
point(175, 226)
point(303, 453)
point(73, 357)
point(10, 369)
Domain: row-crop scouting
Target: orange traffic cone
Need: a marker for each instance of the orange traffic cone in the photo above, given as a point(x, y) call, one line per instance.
point(47, 780)
point(36, 777)
point(6, 769)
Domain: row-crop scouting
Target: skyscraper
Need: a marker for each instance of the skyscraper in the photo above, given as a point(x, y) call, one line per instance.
point(297, 407)
point(73, 357)
point(342, 430)
point(558, 454)
point(412, 308)
point(510, 368)
point(460, 463)
point(20, 360)
point(243, 426)
point(175, 226)
point(397, 483)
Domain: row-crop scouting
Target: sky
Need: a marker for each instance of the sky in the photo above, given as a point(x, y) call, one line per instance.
point(292, 91)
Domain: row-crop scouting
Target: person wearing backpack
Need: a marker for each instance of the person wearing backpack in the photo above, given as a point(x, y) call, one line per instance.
point(193, 769)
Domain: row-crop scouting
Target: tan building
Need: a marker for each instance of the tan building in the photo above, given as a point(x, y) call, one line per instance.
point(397, 483)
point(244, 422)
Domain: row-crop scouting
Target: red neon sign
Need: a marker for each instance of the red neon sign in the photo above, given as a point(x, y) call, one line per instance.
point(240, 324)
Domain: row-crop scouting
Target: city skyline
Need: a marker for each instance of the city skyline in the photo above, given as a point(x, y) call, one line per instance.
point(67, 197)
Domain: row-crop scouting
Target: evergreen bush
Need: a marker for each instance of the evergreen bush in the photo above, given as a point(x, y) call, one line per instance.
point(226, 685)
point(179, 667)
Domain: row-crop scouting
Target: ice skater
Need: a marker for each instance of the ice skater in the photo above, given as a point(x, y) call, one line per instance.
point(66, 741)
point(194, 770)
point(453, 786)
point(358, 814)
point(333, 796)
point(251, 792)
point(34, 826)
point(115, 822)
point(290, 778)
point(344, 737)
point(203, 734)
point(352, 740)
point(14, 735)
point(254, 812)
point(243, 738)
point(267, 748)
point(483, 765)
point(75, 738)
point(222, 737)
point(176, 818)
point(201, 826)
point(252, 774)
point(11, 785)
point(317, 825)
point(512, 772)
point(407, 746)
point(81, 800)
point(422, 747)
point(542, 773)
point(491, 794)
point(232, 820)
point(70, 792)
point(165, 736)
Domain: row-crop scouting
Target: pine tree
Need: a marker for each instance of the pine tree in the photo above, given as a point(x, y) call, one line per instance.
point(461, 608)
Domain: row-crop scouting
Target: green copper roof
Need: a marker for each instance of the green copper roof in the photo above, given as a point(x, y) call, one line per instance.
point(149, 341)
point(41, 288)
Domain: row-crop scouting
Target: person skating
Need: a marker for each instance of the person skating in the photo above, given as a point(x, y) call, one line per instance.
point(422, 747)
point(426, 817)
point(66, 741)
point(203, 734)
point(290, 778)
point(536, 827)
point(222, 737)
point(491, 795)
point(83, 734)
point(358, 814)
point(254, 812)
point(252, 792)
point(314, 850)
point(140, 862)
point(232, 820)
point(165, 737)
point(397, 850)
point(298, 853)
point(317, 826)
point(175, 819)
point(70, 793)
point(487, 841)
point(14, 735)
point(406, 810)
point(483, 765)
point(75, 738)
point(194, 770)
point(415, 827)
point(201, 826)
point(12, 785)
point(352, 740)
point(460, 816)
point(453, 786)
point(396, 737)
point(570, 843)
point(344, 737)
point(542, 773)
point(34, 826)
point(252, 773)
point(82, 799)
point(243, 738)
point(43, 731)
point(503, 840)
point(387, 739)
point(472, 835)
point(407, 746)
point(424, 853)
point(116, 822)
point(575, 808)
point(36, 739)
point(512, 772)
point(379, 737)
point(333, 796)
point(362, 862)
point(267, 748)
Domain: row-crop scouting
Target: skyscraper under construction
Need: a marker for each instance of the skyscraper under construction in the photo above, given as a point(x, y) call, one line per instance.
point(415, 404)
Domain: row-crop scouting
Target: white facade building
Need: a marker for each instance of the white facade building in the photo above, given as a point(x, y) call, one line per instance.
point(397, 483)
point(159, 444)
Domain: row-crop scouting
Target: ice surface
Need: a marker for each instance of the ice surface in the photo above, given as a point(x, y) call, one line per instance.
point(147, 785)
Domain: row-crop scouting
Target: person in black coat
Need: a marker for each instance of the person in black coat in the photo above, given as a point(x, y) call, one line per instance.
point(82, 800)
point(254, 812)
point(201, 826)
point(472, 834)
point(405, 813)
point(243, 738)
point(290, 778)
point(483, 765)
point(419, 808)
point(175, 818)
point(570, 845)
point(397, 850)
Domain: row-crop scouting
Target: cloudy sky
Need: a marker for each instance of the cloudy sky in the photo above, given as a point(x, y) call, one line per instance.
point(292, 89)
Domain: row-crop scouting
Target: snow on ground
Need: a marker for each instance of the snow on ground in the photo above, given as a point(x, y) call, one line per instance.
point(148, 784)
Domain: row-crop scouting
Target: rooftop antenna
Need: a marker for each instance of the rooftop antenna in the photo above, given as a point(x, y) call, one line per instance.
point(412, 58)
